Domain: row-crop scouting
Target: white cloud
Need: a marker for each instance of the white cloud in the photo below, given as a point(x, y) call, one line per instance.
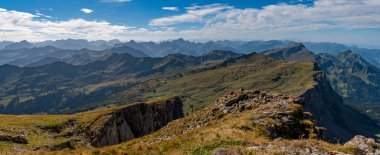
point(38, 13)
point(216, 21)
point(170, 8)
point(323, 14)
point(193, 14)
point(16, 25)
point(85, 10)
point(115, 1)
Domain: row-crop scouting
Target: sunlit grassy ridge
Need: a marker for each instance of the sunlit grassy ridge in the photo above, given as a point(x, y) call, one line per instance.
point(199, 88)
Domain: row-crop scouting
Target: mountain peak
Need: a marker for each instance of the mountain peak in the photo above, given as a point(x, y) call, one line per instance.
point(356, 63)
point(18, 45)
point(128, 49)
point(348, 52)
point(296, 45)
point(180, 41)
point(294, 52)
point(24, 42)
point(219, 55)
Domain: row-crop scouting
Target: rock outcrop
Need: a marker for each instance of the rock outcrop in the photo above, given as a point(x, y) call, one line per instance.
point(135, 121)
point(13, 139)
point(278, 115)
point(362, 145)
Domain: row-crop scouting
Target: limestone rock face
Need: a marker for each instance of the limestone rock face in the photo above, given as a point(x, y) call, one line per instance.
point(136, 121)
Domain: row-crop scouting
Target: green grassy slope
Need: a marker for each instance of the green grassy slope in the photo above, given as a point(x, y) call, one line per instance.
point(201, 86)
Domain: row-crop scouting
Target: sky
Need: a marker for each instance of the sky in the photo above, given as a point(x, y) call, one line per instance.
point(341, 21)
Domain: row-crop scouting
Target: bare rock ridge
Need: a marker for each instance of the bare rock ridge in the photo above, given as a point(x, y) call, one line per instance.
point(136, 121)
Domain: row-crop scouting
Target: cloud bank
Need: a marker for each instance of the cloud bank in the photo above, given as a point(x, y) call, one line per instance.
point(348, 14)
point(215, 21)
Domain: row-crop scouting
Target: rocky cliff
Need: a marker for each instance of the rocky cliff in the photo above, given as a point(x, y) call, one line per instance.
point(135, 121)
point(96, 128)
point(341, 121)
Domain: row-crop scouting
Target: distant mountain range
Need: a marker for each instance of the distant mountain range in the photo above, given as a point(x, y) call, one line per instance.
point(72, 44)
point(165, 48)
point(45, 55)
point(176, 46)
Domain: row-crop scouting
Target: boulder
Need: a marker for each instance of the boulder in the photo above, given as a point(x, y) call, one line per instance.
point(223, 151)
point(363, 145)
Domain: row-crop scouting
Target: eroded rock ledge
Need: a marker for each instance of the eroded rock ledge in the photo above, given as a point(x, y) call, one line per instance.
point(135, 121)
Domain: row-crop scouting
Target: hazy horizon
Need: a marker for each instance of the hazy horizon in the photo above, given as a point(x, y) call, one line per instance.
point(368, 46)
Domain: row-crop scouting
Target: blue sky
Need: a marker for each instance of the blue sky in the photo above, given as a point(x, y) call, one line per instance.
point(343, 21)
point(134, 12)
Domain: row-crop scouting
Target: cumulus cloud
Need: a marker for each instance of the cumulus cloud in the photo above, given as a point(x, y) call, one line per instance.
point(322, 14)
point(170, 8)
point(16, 25)
point(85, 10)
